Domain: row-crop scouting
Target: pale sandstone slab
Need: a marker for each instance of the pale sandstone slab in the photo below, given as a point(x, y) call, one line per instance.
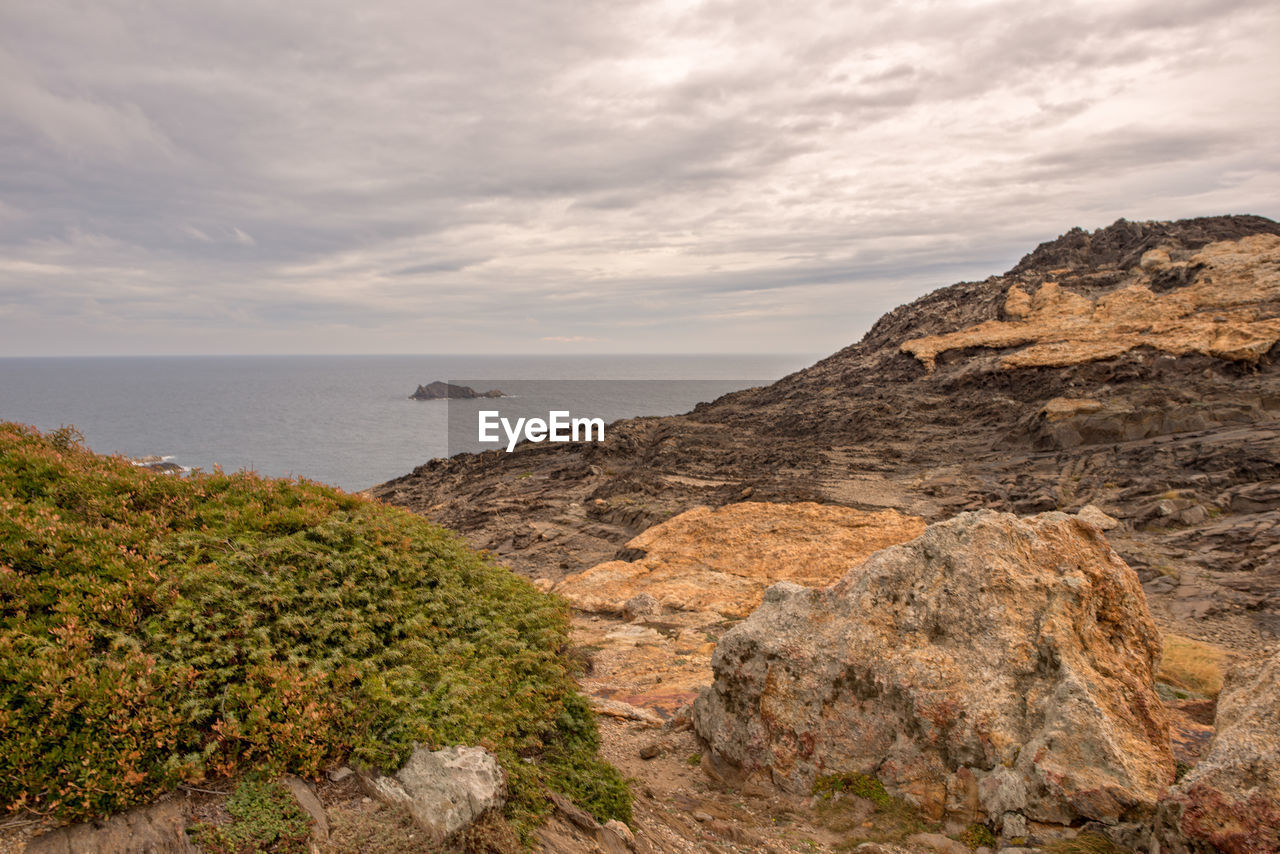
point(1223, 313)
point(722, 560)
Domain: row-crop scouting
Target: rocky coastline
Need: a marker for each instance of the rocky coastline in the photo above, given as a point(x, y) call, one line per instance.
point(1106, 415)
point(1023, 595)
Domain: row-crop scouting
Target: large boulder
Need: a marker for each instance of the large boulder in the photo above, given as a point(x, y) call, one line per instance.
point(1230, 801)
point(992, 669)
point(446, 791)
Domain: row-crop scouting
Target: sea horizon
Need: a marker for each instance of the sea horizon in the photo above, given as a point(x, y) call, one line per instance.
point(344, 420)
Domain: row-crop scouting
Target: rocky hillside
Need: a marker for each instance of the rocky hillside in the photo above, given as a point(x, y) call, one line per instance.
point(1128, 376)
point(1133, 368)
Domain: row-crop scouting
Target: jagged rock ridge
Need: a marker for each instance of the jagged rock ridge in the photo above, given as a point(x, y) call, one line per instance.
point(1178, 445)
point(1184, 448)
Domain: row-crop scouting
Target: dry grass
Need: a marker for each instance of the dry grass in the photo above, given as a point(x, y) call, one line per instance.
point(858, 807)
point(378, 829)
point(1192, 665)
point(1086, 843)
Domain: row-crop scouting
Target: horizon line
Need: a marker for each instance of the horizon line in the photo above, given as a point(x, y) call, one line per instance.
point(524, 354)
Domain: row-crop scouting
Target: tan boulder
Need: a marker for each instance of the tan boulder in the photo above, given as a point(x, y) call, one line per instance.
point(722, 560)
point(1095, 517)
point(992, 669)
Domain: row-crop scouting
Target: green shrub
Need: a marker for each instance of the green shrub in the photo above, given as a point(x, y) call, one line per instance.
point(265, 819)
point(860, 785)
point(156, 630)
point(979, 836)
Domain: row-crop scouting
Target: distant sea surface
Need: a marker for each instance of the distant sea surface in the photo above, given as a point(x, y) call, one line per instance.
point(343, 420)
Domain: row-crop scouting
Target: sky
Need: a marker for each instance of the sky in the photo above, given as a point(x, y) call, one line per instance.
point(569, 176)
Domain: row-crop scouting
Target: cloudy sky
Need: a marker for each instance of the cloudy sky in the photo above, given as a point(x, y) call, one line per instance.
point(575, 175)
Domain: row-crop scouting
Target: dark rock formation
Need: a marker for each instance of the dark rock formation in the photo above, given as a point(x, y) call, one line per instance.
point(448, 391)
point(1183, 447)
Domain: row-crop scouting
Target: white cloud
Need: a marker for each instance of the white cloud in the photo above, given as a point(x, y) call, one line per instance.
point(667, 175)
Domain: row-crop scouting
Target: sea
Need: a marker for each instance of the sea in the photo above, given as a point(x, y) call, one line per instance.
point(343, 420)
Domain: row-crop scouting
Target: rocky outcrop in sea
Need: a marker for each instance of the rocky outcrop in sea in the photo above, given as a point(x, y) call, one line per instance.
point(448, 391)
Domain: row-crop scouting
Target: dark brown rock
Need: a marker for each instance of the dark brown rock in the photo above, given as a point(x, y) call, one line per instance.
point(448, 391)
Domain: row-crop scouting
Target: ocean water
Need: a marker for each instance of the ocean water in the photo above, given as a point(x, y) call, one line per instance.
point(342, 420)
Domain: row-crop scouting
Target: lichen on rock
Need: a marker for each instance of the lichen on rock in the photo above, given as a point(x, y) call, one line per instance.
point(1230, 801)
point(446, 791)
point(992, 669)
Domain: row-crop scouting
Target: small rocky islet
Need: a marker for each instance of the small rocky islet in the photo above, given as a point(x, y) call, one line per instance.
point(439, 390)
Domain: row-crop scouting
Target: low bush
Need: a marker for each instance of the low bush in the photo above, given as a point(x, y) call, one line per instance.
point(264, 818)
point(851, 783)
point(156, 630)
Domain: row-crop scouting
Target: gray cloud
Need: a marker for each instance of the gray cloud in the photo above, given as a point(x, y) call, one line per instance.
point(636, 176)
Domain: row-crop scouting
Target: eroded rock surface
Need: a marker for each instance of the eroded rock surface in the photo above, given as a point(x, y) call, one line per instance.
point(1230, 801)
point(157, 829)
point(1182, 450)
point(995, 668)
point(698, 572)
point(722, 560)
point(1216, 302)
